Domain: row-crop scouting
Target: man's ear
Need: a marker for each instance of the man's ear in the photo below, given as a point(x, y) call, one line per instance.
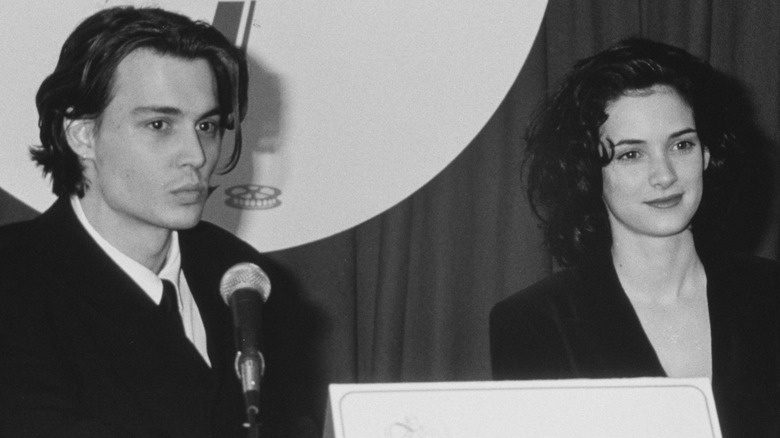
point(80, 134)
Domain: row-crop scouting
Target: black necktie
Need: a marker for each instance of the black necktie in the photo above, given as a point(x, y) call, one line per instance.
point(169, 304)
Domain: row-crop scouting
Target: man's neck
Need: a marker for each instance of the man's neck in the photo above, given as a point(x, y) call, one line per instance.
point(145, 244)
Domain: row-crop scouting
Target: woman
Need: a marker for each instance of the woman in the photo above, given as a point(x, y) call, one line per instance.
point(626, 161)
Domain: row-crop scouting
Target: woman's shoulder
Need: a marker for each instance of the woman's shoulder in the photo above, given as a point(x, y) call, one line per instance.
point(742, 269)
point(559, 289)
point(744, 285)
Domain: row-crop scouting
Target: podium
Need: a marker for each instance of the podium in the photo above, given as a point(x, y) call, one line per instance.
point(587, 408)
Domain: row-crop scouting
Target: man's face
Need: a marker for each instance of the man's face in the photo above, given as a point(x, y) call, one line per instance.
point(155, 146)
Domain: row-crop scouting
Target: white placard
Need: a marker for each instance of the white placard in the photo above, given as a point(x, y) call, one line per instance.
point(603, 408)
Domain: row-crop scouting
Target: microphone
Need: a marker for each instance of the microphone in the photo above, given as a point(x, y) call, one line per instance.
point(244, 288)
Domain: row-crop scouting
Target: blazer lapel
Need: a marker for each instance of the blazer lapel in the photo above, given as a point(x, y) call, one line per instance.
point(607, 339)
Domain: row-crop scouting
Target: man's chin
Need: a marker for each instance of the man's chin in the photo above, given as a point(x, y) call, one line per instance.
point(186, 220)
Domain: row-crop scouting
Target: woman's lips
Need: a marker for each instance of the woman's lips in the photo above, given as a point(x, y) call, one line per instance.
point(665, 202)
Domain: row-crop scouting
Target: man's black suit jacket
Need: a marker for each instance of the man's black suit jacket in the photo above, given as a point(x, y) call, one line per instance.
point(84, 351)
point(579, 323)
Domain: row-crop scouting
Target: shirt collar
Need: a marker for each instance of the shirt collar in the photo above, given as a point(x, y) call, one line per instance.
point(144, 277)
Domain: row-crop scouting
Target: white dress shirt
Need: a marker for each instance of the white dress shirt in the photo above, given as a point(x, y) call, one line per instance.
point(151, 283)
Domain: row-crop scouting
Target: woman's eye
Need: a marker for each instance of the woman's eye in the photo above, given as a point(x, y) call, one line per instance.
point(683, 145)
point(630, 155)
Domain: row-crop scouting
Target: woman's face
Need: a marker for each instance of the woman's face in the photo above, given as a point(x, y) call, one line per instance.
point(653, 185)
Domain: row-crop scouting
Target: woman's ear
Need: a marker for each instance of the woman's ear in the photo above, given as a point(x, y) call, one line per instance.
point(706, 156)
point(80, 134)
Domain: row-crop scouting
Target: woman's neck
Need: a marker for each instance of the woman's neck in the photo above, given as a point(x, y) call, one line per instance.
point(658, 270)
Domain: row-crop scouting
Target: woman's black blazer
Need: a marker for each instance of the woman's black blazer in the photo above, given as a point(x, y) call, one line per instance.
point(578, 323)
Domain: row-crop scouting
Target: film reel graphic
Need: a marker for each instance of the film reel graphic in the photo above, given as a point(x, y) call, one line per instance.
point(318, 152)
point(252, 197)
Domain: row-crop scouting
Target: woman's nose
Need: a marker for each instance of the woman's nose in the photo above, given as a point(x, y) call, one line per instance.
point(662, 172)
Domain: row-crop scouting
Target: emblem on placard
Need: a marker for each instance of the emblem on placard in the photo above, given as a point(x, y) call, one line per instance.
point(411, 427)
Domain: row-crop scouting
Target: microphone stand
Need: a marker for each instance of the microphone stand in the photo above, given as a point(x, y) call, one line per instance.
point(252, 426)
point(250, 368)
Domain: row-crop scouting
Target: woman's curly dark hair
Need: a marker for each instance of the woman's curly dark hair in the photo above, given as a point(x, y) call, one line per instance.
point(564, 158)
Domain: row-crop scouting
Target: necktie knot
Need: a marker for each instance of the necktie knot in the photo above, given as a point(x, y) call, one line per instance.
point(169, 302)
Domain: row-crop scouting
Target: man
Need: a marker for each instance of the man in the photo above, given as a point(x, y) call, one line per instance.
point(131, 125)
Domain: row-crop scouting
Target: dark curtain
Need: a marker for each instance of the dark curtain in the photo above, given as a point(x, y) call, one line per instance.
point(406, 295)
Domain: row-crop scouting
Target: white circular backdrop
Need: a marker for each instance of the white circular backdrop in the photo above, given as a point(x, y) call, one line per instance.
point(354, 104)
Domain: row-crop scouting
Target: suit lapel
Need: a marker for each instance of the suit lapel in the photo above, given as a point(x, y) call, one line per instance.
point(203, 278)
point(127, 329)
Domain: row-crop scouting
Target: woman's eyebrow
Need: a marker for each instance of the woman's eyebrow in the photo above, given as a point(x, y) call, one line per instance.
point(682, 132)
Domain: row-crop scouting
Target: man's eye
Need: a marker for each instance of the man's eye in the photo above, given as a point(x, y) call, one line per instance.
point(158, 125)
point(208, 127)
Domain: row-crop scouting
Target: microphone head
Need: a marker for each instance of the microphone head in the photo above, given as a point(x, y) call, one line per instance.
point(244, 276)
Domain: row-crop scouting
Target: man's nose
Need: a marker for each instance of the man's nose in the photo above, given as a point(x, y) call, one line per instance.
point(191, 149)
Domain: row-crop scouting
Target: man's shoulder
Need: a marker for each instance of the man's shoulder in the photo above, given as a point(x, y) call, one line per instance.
point(20, 248)
point(10, 230)
point(15, 237)
point(208, 239)
point(207, 233)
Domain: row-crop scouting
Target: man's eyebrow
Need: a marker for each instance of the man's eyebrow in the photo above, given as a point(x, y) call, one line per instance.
point(168, 110)
point(171, 111)
point(212, 112)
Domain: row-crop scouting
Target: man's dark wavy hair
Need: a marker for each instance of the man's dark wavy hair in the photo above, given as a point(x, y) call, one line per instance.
point(563, 160)
point(81, 84)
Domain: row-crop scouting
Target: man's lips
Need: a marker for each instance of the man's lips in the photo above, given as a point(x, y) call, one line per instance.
point(191, 193)
point(666, 201)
